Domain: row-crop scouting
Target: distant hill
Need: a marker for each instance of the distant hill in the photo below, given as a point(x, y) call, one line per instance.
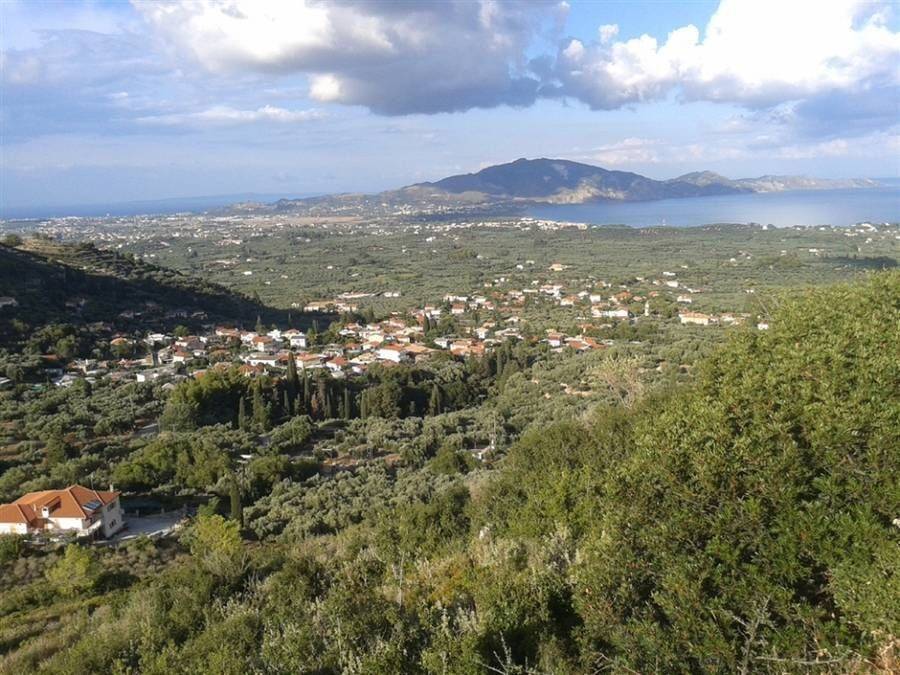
point(560, 181)
point(770, 183)
point(81, 284)
point(564, 182)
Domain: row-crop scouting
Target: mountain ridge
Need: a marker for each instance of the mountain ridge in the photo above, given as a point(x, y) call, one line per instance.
point(565, 181)
point(550, 181)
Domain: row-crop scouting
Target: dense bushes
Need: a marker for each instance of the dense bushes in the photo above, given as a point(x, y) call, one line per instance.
point(746, 518)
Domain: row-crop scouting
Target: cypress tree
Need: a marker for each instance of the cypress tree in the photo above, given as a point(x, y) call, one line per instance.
point(434, 405)
point(329, 406)
point(322, 394)
point(306, 395)
point(348, 405)
point(291, 377)
point(242, 420)
point(260, 411)
point(237, 509)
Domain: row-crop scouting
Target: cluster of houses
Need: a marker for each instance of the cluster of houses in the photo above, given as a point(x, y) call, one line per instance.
point(388, 342)
point(477, 323)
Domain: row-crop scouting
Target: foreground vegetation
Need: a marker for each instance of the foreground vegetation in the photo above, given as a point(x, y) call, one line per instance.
point(744, 522)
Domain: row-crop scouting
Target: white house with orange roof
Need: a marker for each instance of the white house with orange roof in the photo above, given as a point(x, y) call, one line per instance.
point(75, 509)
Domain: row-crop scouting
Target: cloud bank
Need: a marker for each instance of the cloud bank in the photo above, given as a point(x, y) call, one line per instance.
point(755, 53)
point(406, 57)
point(811, 60)
point(392, 57)
point(804, 70)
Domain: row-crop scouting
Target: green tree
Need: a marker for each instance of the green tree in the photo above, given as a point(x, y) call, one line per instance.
point(179, 415)
point(237, 509)
point(306, 392)
point(348, 404)
point(66, 347)
point(260, 411)
point(215, 543)
point(75, 573)
point(11, 546)
point(242, 419)
point(434, 402)
point(292, 379)
point(56, 450)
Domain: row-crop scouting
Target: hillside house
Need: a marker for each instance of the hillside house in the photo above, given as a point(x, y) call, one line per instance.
point(555, 339)
point(417, 351)
point(695, 318)
point(295, 338)
point(263, 343)
point(620, 313)
point(181, 356)
point(75, 509)
point(392, 352)
point(262, 359)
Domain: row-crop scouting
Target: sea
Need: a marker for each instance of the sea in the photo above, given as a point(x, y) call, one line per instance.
point(839, 208)
point(145, 207)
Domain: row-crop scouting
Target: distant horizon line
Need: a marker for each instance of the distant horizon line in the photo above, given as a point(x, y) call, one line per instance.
point(206, 202)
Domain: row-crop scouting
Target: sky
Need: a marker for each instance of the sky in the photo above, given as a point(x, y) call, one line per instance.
point(106, 102)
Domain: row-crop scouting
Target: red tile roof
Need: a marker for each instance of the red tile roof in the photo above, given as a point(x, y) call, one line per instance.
point(70, 502)
point(17, 513)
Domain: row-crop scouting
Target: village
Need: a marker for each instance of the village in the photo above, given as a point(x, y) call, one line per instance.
point(460, 324)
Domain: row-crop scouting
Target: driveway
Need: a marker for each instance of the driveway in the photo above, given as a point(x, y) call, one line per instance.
point(158, 525)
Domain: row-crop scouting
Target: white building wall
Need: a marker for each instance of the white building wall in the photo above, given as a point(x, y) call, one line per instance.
point(113, 520)
point(67, 524)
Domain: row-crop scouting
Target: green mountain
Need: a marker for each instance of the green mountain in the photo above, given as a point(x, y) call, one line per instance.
point(562, 181)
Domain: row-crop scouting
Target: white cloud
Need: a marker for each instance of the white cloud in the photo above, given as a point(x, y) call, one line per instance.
point(394, 58)
point(627, 152)
point(224, 115)
point(753, 52)
point(607, 32)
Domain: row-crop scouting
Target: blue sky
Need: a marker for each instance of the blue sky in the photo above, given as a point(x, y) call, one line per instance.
point(118, 101)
